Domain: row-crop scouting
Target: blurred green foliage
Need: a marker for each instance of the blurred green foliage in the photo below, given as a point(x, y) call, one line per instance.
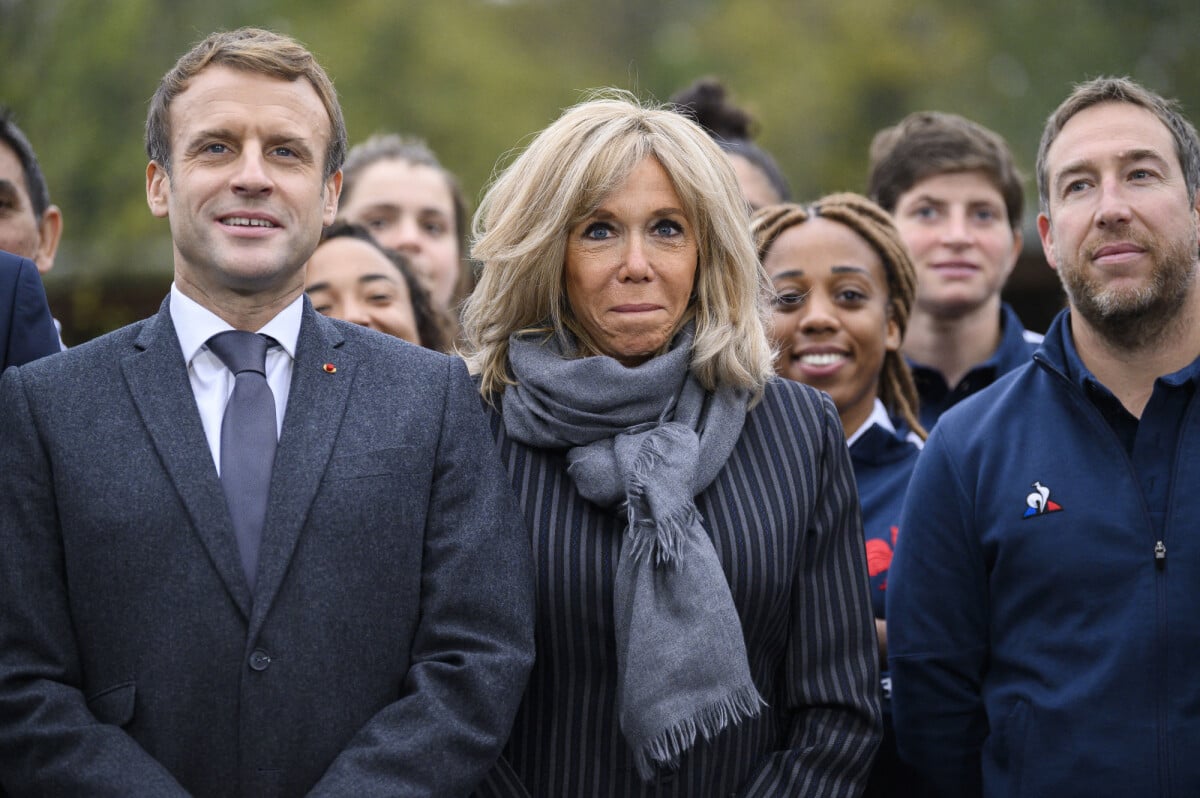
point(477, 77)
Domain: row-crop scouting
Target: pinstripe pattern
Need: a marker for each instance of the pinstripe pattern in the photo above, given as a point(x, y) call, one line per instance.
point(783, 514)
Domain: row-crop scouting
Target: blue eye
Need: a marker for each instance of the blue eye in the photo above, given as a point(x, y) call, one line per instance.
point(598, 231)
point(216, 149)
point(668, 228)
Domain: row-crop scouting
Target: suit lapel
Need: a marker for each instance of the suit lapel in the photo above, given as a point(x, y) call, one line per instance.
point(158, 381)
point(315, 406)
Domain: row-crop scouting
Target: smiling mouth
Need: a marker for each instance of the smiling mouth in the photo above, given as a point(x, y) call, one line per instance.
point(820, 359)
point(243, 221)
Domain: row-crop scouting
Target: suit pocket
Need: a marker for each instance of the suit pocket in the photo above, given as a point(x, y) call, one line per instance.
point(376, 463)
point(113, 705)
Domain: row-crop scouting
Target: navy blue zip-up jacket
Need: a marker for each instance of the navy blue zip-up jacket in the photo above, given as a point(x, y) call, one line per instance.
point(1042, 627)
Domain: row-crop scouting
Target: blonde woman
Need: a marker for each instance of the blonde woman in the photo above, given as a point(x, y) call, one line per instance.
point(703, 621)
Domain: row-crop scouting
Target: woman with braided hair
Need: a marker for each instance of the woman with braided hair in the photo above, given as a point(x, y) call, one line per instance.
point(844, 283)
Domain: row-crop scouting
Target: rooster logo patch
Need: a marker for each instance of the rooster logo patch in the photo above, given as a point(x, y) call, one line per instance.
point(1039, 502)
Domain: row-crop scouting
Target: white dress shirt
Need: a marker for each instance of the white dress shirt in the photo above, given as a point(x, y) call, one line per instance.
point(879, 416)
point(212, 382)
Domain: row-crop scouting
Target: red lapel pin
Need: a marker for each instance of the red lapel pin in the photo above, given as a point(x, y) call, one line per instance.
point(329, 368)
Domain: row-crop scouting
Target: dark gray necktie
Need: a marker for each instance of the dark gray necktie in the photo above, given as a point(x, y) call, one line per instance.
point(247, 439)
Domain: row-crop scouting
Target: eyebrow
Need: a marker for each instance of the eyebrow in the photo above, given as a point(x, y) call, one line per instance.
point(838, 269)
point(8, 188)
point(365, 279)
point(371, 278)
point(1129, 156)
point(604, 213)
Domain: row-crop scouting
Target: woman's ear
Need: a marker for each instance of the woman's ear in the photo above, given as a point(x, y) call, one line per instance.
point(892, 335)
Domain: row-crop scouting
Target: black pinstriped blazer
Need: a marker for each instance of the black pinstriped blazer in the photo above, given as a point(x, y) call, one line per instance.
point(783, 514)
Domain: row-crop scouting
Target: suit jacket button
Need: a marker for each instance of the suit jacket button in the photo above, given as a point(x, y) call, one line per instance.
point(260, 660)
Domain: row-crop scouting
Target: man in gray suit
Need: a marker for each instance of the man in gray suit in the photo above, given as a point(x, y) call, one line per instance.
point(175, 620)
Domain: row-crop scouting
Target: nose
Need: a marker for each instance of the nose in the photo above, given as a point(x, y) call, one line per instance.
point(1113, 208)
point(355, 312)
point(636, 265)
point(252, 178)
point(955, 230)
point(818, 314)
point(404, 236)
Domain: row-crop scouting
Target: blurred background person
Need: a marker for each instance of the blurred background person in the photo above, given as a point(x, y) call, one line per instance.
point(759, 177)
point(694, 519)
point(843, 286)
point(30, 225)
point(395, 187)
point(351, 277)
point(956, 197)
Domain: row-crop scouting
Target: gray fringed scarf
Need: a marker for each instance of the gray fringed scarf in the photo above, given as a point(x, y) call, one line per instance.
point(649, 438)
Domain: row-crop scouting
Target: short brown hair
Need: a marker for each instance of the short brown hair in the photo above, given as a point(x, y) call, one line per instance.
point(1122, 90)
point(929, 143)
point(252, 50)
point(873, 224)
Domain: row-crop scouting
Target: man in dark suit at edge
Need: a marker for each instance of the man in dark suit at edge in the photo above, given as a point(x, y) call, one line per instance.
point(26, 328)
point(184, 613)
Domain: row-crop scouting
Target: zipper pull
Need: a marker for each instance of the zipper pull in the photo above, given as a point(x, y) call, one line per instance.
point(1160, 555)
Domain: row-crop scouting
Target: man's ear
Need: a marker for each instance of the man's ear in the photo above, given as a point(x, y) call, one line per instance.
point(333, 190)
point(158, 189)
point(1046, 233)
point(49, 234)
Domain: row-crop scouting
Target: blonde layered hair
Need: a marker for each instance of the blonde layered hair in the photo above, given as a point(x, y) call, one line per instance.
point(568, 170)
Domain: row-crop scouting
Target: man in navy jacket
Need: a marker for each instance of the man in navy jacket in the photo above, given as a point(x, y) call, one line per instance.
point(1042, 597)
point(26, 329)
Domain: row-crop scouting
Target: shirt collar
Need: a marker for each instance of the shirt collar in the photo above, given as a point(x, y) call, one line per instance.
point(1079, 374)
point(878, 417)
point(195, 324)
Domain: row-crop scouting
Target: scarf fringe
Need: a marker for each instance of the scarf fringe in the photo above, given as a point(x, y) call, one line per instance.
point(663, 537)
point(665, 748)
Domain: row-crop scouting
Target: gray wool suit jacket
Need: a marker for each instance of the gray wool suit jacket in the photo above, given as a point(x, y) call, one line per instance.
point(389, 638)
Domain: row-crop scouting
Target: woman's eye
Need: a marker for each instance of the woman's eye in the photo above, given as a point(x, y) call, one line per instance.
point(789, 299)
point(597, 231)
point(851, 296)
point(668, 228)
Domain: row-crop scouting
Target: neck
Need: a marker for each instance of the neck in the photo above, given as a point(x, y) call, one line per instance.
point(1130, 371)
point(954, 345)
point(249, 312)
